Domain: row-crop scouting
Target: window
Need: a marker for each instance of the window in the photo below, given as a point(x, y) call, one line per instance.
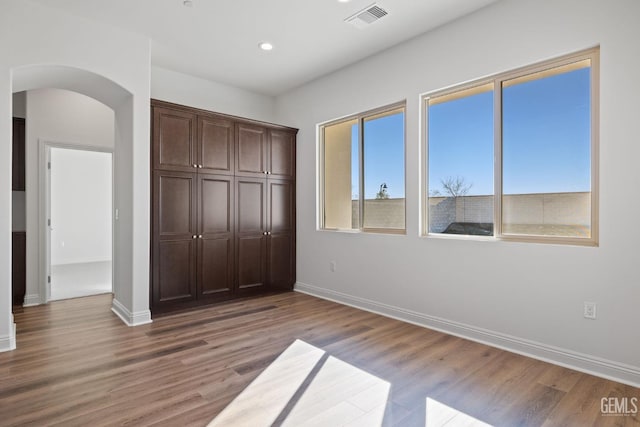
point(461, 138)
point(515, 156)
point(363, 172)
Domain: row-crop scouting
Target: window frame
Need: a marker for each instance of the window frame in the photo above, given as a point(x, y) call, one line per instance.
point(360, 118)
point(592, 54)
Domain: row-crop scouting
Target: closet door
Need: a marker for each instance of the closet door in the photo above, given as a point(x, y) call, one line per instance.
point(281, 154)
point(216, 145)
point(280, 232)
point(18, 155)
point(174, 139)
point(251, 234)
point(251, 151)
point(215, 236)
point(174, 237)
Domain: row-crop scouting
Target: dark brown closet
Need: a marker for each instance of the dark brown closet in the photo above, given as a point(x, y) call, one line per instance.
point(223, 207)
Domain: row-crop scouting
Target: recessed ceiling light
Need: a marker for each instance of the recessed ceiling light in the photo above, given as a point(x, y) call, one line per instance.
point(188, 3)
point(344, 1)
point(265, 46)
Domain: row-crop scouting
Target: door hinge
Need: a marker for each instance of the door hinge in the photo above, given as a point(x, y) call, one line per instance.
point(48, 165)
point(49, 222)
point(48, 279)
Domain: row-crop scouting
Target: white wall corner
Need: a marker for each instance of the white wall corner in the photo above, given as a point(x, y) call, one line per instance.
point(129, 318)
point(32, 299)
point(8, 343)
point(567, 358)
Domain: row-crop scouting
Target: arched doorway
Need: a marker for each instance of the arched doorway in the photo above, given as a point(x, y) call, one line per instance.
point(130, 301)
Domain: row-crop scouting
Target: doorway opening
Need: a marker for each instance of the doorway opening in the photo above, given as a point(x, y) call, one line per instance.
point(79, 203)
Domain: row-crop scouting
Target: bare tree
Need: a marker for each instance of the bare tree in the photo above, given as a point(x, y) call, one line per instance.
point(455, 187)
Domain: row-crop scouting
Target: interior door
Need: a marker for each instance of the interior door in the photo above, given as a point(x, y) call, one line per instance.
point(48, 225)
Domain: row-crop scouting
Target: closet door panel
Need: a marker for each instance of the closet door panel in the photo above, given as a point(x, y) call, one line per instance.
point(252, 257)
point(174, 140)
point(216, 145)
point(176, 273)
point(282, 155)
point(216, 204)
point(251, 150)
point(281, 263)
point(216, 266)
point(174, 238)
point(251, 203)
point(215, 235)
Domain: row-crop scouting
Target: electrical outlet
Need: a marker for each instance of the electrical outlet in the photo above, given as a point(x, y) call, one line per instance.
point(332, 266)
point(589, 310)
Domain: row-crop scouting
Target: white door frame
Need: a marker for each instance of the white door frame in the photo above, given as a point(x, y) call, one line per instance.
point(44, 207)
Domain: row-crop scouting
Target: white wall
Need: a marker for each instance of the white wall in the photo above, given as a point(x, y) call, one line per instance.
point(42, 47)
point(172, 86)
point(18, 211)
point(58, 115)
point(526, 297)
point(20, 104)
point(80, 206)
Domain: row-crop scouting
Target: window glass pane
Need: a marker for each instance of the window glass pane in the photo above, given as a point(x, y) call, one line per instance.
point(384, 198)
point(547, 153)
point(341, 174)
point(461, 140)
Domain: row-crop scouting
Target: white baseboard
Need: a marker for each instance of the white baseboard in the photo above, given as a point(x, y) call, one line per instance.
point(8, 343)
point(129, 318)
point(31, 299)
point(608, 369)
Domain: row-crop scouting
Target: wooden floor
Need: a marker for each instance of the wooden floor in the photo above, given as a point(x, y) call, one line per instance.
point(286, 359)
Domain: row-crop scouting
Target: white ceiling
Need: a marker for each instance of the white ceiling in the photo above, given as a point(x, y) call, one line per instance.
point(218, 39)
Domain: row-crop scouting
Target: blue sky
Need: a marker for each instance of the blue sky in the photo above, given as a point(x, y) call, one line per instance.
point(546, 140)
point(383, 156)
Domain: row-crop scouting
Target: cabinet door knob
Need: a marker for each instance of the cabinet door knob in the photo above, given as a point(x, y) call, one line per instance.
point(264, 233)
point(268, 233)
point(268, 173)
point(194, 165)
point(200, 236)
point(200, 166)
point(194, 236)
point(265, 172)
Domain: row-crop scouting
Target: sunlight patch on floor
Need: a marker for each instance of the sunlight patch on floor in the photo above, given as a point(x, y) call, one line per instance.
point(438, 415)
point(305, 386)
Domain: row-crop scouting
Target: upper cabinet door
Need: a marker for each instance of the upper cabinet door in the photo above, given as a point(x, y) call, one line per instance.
point(282, 154)
point(174, 138)
point(215, 145)
point(251, 150)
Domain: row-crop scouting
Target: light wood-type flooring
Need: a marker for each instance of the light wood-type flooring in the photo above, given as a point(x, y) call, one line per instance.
point(284, 360)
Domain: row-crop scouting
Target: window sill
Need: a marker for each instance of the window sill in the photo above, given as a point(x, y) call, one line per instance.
point(393, 232)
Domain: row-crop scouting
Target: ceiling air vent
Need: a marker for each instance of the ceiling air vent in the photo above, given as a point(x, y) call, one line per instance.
point(366, 16)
